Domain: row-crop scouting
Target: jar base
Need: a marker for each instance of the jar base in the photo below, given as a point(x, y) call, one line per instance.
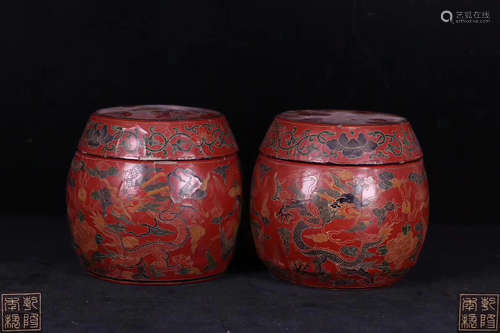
point(154, 283)
point(316, 283)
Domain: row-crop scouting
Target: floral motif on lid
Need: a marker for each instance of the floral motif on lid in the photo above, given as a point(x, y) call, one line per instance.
point(341, 137)
point(158, 132)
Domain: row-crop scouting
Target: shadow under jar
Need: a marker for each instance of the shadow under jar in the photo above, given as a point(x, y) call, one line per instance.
point(154, 195)
point(339, 199)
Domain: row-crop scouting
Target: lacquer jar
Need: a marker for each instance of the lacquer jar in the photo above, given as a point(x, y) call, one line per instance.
point(339, 199)
point(154, 195)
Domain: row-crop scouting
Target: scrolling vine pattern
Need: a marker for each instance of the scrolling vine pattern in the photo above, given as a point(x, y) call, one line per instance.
point(395, 145)
point(205, 138)
point(286, 141)
point(290, 143)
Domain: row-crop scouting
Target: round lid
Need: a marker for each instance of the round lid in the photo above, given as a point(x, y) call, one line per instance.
point(341, 137)
point(157, 132)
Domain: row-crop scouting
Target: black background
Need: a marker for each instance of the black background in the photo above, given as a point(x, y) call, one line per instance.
point(62, 60)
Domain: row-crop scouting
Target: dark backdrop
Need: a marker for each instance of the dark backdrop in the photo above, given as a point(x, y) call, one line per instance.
point(61, 60)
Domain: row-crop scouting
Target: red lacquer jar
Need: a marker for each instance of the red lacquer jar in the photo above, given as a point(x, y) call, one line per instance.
point(339, 199)
point(154, 195)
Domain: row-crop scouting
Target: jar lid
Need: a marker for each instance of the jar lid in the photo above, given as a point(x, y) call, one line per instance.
point(341, 137)
point(158, 132)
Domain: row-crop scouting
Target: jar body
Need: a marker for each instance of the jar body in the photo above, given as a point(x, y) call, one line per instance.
point(339, 226)
point(154, 222)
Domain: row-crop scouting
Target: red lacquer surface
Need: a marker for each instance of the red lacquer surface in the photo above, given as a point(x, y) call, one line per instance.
point(158, 132)
point(155, 221)
point(343, 137)
point(337, 225)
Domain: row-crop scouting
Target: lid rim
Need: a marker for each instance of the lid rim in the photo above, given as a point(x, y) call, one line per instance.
point(213, 113)
point(358, 142)
point(342, 125)
point(125, 159)
point(158, 139)
point(367, 165)
point(341, 117)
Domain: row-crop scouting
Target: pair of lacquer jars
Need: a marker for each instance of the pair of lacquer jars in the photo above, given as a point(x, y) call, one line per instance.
point(339, 199)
